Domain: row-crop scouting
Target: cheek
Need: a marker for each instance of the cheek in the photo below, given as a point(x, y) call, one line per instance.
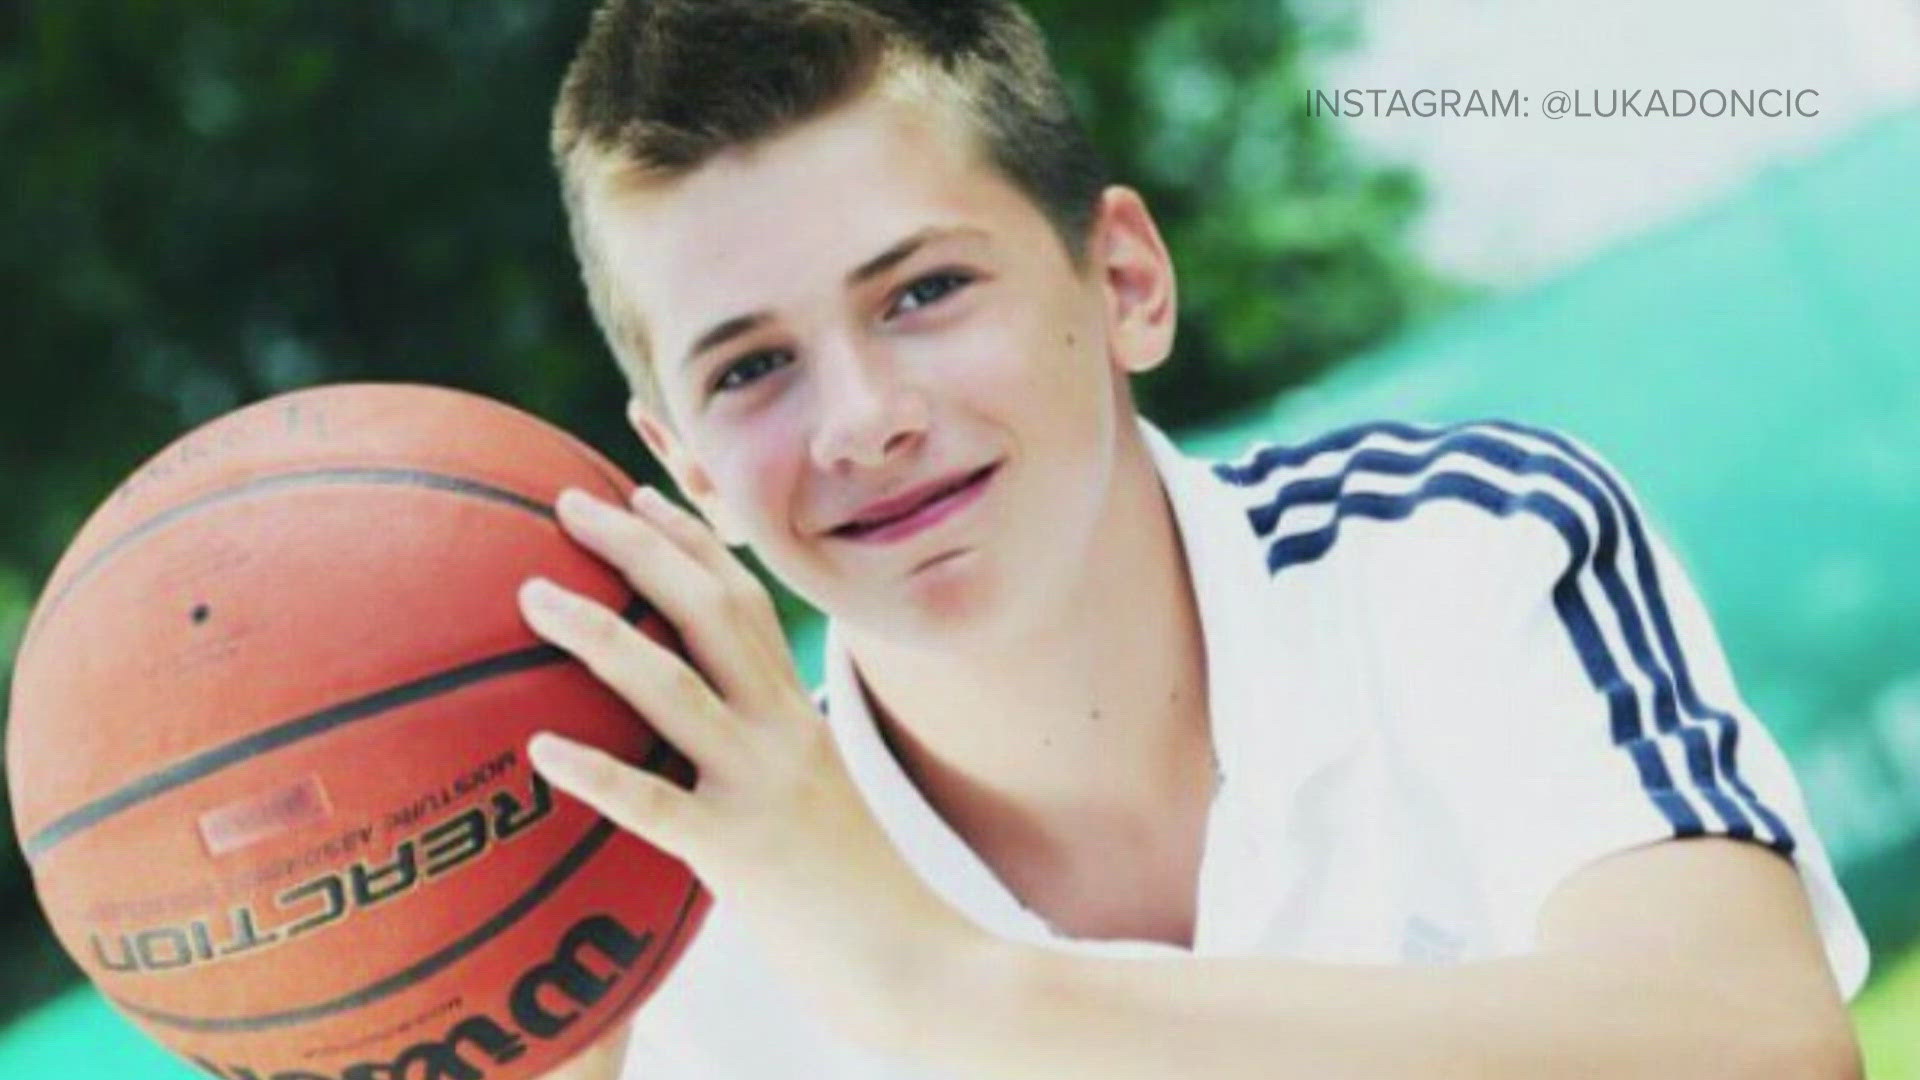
point(756, 468)
point(1056, 366)
point(1025, 361)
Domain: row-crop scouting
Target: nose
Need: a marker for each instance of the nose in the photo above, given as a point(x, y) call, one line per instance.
point(866, 412)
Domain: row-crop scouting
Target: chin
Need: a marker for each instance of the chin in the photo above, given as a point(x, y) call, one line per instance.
point(959, 601)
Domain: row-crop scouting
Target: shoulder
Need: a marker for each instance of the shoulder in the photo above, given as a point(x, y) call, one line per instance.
point(1487, 489)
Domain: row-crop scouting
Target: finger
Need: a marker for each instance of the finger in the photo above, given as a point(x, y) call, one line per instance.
point(734, 640)
point(695, 537)
point(651, 807)
point(672, 697)
point(633, 545)
point(749, 596)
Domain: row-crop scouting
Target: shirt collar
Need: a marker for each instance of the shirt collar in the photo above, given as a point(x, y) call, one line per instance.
point(1226, 568)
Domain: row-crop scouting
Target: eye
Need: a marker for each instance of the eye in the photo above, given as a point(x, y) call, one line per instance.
point(929, 289)
point(751, 367)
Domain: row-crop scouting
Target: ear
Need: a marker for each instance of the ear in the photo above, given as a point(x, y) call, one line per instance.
point(1137, 279)
point(667, 448)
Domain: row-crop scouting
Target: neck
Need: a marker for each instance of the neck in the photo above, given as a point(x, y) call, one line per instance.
point(1087, 723)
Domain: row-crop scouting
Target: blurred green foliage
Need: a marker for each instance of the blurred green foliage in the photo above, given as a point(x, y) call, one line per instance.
point(210, 203)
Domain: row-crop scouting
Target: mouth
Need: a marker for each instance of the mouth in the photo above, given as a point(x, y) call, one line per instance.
point(934, 508)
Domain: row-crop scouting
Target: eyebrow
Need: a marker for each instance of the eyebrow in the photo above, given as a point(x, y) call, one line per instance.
point(728, 329)
point(723, 332)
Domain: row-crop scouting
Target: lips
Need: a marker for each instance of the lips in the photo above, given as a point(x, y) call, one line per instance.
point(881, 514)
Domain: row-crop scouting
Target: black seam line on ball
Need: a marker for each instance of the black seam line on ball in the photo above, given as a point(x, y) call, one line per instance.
point(292, 731)
point(556, 875)
point(368, 475)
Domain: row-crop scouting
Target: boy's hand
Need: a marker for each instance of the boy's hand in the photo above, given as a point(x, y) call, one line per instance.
point(774, 826)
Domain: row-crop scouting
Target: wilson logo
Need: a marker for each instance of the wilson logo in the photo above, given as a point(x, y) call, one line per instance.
point(546, 1000)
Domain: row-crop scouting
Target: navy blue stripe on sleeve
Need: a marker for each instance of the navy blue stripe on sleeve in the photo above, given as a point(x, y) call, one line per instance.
point(1594, 555)
point(1649, 579)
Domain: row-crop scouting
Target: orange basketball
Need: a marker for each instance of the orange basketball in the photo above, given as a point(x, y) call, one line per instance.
point(268, 749)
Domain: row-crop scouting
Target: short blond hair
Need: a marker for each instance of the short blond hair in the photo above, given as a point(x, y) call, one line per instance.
point(658, 87)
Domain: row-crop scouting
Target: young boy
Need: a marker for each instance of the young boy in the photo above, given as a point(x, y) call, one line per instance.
point(1353, 758)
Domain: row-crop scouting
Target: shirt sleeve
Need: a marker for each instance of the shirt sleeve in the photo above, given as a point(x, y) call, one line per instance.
point(1574, 692)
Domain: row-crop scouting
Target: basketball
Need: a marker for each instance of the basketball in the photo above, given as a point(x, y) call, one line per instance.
point(267, 749)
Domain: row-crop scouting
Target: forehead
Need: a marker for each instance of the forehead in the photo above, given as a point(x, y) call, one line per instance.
point(770, 225)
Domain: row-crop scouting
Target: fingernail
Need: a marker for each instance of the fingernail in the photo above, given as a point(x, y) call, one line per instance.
point(549, 753)
point(545, 747)
point(573, 503)
point(541, 594)
point(645, 497)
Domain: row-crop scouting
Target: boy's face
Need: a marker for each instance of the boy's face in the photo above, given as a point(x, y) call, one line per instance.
point(860, 307)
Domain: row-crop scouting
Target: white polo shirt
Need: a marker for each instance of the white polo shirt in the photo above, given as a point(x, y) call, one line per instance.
point(1447, 667)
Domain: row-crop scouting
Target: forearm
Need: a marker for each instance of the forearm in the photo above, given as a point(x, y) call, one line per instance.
point(1023, 1012)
